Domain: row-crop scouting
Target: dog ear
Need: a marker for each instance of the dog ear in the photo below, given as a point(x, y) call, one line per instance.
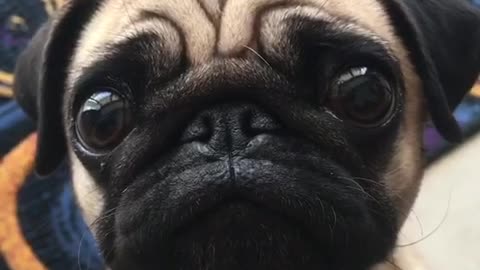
point(40, 79)
point(443, 38)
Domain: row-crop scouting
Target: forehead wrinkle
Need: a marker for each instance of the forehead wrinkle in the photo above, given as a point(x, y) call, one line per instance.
point(341, 24)
point(114, 16)
point(162, 29)
point(366, 16)
point(275, 33)
point(213, 8)
point(238, 21)
point(142, 27)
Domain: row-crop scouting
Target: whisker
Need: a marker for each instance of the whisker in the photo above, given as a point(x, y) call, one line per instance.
point(334, 218)
point(109, 213)
point(80, 251)
point(442, 221)
point(257, 54)
point(403, 213)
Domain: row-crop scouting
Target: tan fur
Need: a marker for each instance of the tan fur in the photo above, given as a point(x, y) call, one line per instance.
point(211, 32)
point(93, 51)
point(406, 258)
point(236, 33)
point(89, 196)
point(214, 9)
point(117, 15)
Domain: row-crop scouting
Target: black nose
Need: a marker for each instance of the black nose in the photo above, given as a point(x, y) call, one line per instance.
point(230, 126)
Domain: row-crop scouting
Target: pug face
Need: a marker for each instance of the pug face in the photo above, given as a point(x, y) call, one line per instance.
point(252, 134)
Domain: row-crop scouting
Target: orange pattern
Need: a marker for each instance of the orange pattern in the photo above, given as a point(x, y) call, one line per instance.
point(6, 80)
point(476, 90)
point(6, 92)
point(14, 169)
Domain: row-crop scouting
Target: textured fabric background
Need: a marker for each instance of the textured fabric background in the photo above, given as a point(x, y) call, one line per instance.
point(49, 222)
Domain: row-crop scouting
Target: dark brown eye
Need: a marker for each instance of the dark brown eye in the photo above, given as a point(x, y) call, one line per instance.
point(104, 119)
point(362, 97)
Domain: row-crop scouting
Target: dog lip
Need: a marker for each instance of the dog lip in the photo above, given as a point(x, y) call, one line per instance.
point(208, 208)
point(205, 202)
point(182, 219)
point(181, 222)
point(227, 210)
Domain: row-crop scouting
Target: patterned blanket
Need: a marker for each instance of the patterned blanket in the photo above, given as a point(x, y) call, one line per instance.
point(40, 225)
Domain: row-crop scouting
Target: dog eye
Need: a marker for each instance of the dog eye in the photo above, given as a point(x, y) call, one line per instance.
point(104, 119)
point(362, 97)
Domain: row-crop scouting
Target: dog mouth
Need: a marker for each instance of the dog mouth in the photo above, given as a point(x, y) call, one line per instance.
point(235, 234)
point(286, 217)
point(244, 235)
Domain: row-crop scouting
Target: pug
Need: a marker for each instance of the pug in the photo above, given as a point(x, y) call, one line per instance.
point(247, 134)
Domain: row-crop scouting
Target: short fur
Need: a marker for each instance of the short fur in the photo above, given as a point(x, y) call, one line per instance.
point(184, 60)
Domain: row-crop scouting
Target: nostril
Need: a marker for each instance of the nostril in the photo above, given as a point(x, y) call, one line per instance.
point(229, 126)
point(199, 130)
point(261, 122)
point(245, 121)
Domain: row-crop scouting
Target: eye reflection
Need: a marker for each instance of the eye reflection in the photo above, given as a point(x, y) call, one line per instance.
point(104, 120)
point(362, 97)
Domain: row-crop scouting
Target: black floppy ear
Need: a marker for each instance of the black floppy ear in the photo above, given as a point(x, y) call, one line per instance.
point(40, 79)
point(443, 37)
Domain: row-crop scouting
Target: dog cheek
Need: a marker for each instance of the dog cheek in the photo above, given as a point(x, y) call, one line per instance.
point(89, 196)
point(404, 173)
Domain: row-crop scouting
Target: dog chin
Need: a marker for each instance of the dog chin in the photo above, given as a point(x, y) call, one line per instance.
point(238, 235)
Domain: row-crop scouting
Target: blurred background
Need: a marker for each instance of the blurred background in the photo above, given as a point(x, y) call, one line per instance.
point(40, 227)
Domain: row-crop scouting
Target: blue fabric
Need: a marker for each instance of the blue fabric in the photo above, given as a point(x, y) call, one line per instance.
point(49, 218)
point(48, 215)
point(52, 224)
